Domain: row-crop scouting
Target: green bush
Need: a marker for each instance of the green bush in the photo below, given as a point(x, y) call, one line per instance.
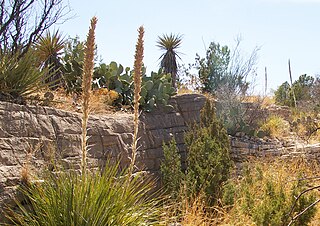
point(208, 160)
point(106, 198)
point(208, 156)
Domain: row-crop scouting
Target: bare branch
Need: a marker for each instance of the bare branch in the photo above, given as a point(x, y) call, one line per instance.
point(24, 21)
point(297, 198)
point(302, 212)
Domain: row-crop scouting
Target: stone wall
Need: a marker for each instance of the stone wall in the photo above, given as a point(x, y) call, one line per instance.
point(38, 134)
point(244, 148)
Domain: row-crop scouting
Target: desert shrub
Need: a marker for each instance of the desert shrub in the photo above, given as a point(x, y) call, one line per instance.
point(283, 95)
point(68, 198)
point(225, 67)
point(237, 115)
point(224, 73)
point(275, 126)
point(208, 160)
point(266, 193)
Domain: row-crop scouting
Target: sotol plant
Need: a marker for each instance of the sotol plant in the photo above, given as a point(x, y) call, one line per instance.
point(66, 199)
point(92, 198)
point(86, 90)
point(137, 89)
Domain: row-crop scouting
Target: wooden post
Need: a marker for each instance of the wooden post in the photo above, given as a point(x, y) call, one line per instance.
point(265, 81)
point(294, 96)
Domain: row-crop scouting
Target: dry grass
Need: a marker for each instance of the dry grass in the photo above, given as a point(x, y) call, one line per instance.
point(283, 172)
point(27, 171)
point(189, 213)
point(185, 90)
point(264, 101)
point(101, 101)
point(195, 213)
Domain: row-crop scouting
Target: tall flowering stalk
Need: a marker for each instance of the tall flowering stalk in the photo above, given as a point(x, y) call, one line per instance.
point(137, 74)
point(86, 89)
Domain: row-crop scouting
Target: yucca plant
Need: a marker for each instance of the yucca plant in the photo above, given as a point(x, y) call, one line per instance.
point(20, 76)
point(67, 199)
point(169, 44)
point(49, 49)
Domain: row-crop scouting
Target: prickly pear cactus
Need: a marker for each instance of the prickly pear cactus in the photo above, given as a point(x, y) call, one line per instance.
point(156, 90)
point(73, 76)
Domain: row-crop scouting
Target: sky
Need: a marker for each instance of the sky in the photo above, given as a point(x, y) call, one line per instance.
point(281, 29)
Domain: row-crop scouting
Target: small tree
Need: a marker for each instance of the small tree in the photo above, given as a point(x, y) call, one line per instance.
point(283, 95)
point(208, 156)
point(302, 88)
point(225, 68)
point(208, 160)
point(224, 73)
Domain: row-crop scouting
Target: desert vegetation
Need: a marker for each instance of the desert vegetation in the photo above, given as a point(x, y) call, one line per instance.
point(201, 185)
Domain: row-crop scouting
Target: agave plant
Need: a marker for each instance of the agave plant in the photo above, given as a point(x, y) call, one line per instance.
point(94, 199)
point(169, 44)
point(49, 49)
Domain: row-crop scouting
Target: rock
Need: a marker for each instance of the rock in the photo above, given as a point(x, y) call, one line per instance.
point(50, 133)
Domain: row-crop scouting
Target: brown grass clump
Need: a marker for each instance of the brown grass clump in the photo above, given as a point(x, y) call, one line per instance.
point(102, 100)
point(26, 170)
point(86, 89)
point(189, 212)
point(195, 214)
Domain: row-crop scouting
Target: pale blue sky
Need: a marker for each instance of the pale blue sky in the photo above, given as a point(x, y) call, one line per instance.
point(282, 28)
